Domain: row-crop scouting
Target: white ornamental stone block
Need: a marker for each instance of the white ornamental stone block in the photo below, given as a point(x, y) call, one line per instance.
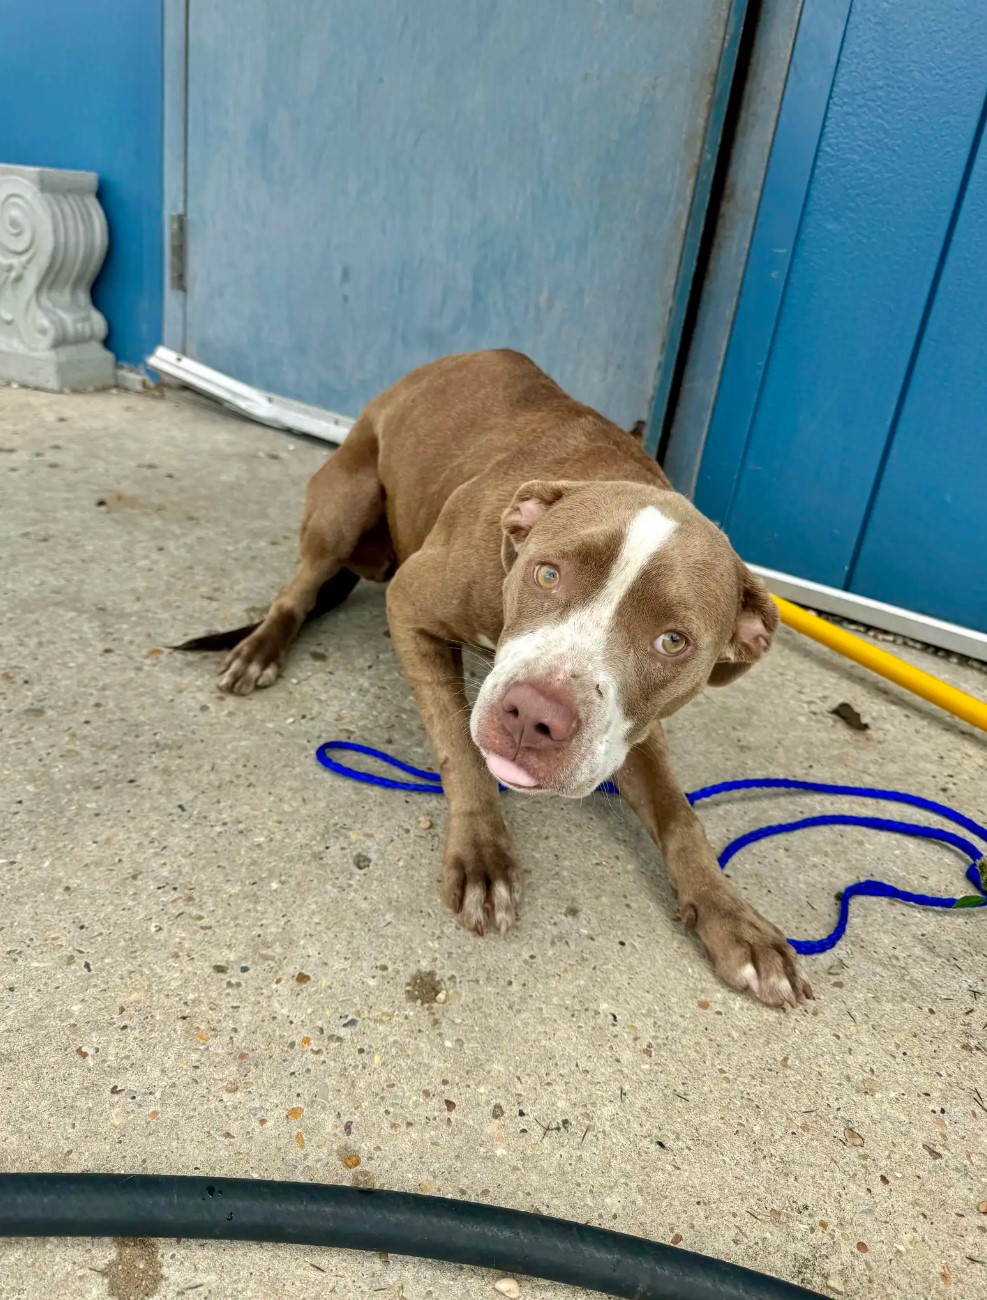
point(52, 244)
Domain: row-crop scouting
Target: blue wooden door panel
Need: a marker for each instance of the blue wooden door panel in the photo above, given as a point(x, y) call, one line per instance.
point(786, 183)
point(903, 113)
point(370, 186)
point(925, 544)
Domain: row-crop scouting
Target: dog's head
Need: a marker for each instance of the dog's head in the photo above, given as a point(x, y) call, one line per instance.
point(621, 602)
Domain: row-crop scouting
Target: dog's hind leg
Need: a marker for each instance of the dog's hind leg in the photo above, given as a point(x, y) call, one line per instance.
point(331, 594)
point(344, 504)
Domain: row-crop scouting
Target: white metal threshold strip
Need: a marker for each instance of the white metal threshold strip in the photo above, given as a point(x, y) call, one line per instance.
point(255, 403)
point(875, 613)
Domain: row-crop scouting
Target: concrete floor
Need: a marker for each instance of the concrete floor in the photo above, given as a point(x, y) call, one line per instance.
point(210, 946)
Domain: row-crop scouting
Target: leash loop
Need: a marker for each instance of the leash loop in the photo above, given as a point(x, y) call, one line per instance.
point(976, 873)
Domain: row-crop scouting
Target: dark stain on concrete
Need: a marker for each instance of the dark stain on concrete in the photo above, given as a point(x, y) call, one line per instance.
point(424, 987)
point(135, 1272)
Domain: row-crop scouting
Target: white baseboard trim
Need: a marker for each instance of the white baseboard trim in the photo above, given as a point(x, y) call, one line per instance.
point(875, 613)
point(255, 403)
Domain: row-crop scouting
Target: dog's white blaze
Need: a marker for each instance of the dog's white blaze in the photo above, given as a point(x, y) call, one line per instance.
point(576, 645)
point(647, 533)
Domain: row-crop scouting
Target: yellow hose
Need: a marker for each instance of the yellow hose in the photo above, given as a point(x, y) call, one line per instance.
point(887, 665)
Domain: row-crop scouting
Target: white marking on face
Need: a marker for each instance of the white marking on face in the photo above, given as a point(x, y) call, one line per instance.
point(647, 533)
point(575, 647)
point(485, 642)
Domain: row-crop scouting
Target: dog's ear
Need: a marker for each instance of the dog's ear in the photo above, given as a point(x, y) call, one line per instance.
point(531, 501)
point(757, 619)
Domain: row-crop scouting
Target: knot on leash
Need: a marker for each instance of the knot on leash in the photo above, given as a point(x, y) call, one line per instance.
point(427, 782)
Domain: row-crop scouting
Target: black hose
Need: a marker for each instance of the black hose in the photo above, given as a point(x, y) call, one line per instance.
point(429, 1227)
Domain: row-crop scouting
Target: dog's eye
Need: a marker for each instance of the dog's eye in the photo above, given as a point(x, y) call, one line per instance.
point(671, 643)
point(546, 576)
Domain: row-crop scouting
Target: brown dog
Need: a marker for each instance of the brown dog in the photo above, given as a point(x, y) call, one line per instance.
point(511, 517)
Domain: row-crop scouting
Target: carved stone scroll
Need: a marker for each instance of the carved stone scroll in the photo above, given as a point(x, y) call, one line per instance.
point(52, 244)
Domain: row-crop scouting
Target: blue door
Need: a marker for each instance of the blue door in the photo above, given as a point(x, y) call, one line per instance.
point(372, 185)
point(848, 444)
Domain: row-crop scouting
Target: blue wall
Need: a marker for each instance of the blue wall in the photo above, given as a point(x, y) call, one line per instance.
point(81, 86)
point(847, 441)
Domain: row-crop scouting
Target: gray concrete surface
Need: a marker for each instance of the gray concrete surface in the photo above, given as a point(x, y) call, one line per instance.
point(175, 864)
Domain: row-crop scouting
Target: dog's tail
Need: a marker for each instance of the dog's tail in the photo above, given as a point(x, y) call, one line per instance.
point(331, 594)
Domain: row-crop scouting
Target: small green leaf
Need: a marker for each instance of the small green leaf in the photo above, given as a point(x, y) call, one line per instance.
point(970, 900)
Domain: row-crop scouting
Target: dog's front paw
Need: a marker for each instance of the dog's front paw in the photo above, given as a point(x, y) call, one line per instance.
point(747, 951)
point(480, 878)
point(253, 664)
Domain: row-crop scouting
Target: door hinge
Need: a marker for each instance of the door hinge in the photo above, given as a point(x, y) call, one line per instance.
point(176, 251)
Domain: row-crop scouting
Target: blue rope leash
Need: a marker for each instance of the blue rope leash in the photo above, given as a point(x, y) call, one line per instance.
point(976, 873)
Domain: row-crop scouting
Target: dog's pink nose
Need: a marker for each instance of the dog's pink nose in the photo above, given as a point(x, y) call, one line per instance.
point(537, 716)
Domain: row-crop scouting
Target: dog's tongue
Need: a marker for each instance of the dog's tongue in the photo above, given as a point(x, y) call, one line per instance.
point(504, 770)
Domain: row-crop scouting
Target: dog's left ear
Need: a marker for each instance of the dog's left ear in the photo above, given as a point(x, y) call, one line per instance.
point(757, 619)
point(531, 501)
